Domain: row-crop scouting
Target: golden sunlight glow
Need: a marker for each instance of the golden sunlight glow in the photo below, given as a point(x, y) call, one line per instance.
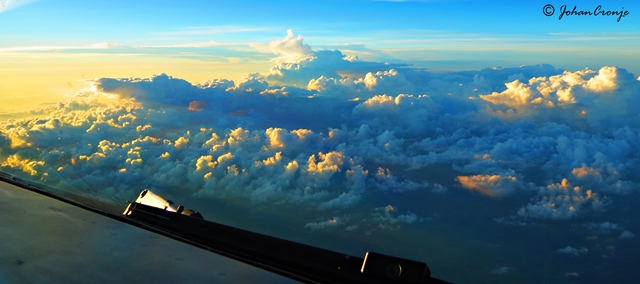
point(482, 157)
point(26, 165)
point(197, 105)
point(489, 185)
point(28, 80)
point(585, 171)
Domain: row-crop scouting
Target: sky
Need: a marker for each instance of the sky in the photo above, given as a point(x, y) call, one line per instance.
point(62, 42)
point(478, 137)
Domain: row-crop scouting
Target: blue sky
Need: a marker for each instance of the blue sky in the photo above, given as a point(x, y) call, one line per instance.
point(407, 30)
point(100, 17)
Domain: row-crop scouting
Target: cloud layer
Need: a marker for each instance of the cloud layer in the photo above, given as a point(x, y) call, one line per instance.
point(346, 131)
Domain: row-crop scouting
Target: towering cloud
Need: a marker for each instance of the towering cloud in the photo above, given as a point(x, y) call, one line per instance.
point(290, 49)
point(575, 98)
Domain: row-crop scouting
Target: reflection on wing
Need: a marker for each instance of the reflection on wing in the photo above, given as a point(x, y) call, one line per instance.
point(149, 198)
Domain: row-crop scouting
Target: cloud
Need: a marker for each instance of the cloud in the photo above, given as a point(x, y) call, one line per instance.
point(385, 218)
point(349, 134)
point(323, 63)
point(438, 188)
point(387, 81)
point(562, 201)
point(627, 235)
point(573, 251)
point(7, 5)
point(575, 98)
point(391, 113)
point(380, 218)
point(405, 130)
point(103, 45)
point(571, 274)
point(510, 221)
point(385, 181)
point(323, 224)
point(290, 49)
point(490, 185)
point(187, 45)
point(603, 228)
point(159, 88)
point(609, 228)
point(297, 63)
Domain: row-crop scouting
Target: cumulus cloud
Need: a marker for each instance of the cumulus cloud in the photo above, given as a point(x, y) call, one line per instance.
point(405, 130)
point(327, 64)
point(372, 83)
point(562, 201)
point(290, 49)
point(490, 185)
point(387, 182)
point(565, 89)
point(438, 188)
point(387, 217)
point(157, 88)
point(297, 63)
point(576, 98)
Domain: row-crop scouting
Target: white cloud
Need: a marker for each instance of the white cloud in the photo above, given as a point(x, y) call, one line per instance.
point(7, 5)
point(290, 49)
point(297, 63)
point(574, 98)
point(516, 94)
point(393, 113)
point(102, 45)
point(325, 63)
